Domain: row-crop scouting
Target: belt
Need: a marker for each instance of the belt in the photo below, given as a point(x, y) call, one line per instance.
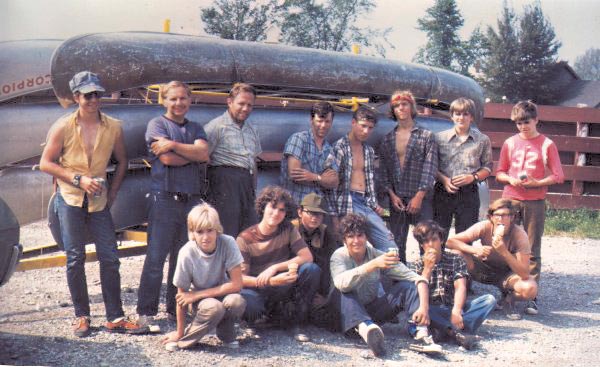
point(177, 196)
point(359, 193)
point(245, 170)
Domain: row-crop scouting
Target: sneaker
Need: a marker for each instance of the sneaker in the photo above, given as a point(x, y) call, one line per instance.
point(81, 327)
point(373, 336)
point(425, 344)
point(500, 303)
point(171, 347)
point(466, 341)
point(532, 308)
point(299, 335)
point(126, 326)
point(510, 310)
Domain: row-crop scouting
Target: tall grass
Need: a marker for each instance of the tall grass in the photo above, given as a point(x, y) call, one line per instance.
point(573, 223)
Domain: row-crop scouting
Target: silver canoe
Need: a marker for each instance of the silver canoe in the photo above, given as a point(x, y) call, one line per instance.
point(126, 60)
point(25, 67)
point(25, 126)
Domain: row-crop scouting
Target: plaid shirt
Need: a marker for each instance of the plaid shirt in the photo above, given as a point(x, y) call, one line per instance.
point(457, 157)
point(341, 156)
point(441, 284)
point(302, 146)
point(420, 163)
point(232, 145)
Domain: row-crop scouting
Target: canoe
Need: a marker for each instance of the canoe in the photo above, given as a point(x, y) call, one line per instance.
point(25, 67)
point(125, 60)
point(25, 126)
point(10, 249)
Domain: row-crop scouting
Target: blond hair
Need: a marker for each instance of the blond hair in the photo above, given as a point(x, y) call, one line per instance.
point(203, 217)
point(464, 105)
point(174, 84)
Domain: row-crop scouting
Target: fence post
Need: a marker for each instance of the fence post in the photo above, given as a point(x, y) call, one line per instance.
point(582, 131)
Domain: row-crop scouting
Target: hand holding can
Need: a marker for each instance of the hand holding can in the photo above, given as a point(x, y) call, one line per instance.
point(101, 182)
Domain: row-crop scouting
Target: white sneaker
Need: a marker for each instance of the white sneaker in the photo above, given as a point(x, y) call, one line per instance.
point(232, 345)
point(425, 344)
point(171, 346)
point(373, 336)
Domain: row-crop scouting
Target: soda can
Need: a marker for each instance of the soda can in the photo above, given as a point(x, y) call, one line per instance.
point(522, 175)
point(102, 182)
point(394, 251)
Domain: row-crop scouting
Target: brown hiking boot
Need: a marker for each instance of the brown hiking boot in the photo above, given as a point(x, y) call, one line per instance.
point(126, 326)
point(81, 327)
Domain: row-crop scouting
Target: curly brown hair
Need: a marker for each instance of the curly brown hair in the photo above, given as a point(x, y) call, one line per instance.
point(353, 224)
point(274, 195)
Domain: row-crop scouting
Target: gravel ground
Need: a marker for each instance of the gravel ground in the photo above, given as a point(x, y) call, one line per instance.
point(35, 317)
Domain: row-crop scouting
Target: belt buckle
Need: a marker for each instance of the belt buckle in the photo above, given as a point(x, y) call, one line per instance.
point(178, 196)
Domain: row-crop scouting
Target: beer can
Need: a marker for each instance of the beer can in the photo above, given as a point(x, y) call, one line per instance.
point(102, 183)
point(394, 251)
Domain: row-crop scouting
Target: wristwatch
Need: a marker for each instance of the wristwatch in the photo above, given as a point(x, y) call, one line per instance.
point(76, 180)
point(318, 178)
point(476, 177)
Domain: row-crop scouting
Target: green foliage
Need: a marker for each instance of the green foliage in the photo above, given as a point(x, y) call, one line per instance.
point(575, 223)
point(327, 25)
point(521, 56)
point(238, 19)
point(587, 66)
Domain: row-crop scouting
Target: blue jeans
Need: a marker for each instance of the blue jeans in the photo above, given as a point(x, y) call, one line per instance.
point(75, 222)
point(167, 233)
point(474, 313)
point(379, 235)
point(400, 296)
point(401, 220)
point(259, 300)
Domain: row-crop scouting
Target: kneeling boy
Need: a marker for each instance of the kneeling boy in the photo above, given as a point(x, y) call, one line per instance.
point(208, 276)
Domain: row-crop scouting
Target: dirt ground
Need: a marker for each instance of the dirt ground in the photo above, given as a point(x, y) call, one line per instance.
point(36, 312)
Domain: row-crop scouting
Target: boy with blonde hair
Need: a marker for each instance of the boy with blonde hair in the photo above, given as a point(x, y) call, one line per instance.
point(209, 277)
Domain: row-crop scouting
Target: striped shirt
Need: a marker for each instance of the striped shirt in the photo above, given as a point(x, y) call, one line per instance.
point(232, 145)
point(341, 156)
point(261, 251)
point(441, 284)
point(420, 163)
point(302, 146)
point(457, 157)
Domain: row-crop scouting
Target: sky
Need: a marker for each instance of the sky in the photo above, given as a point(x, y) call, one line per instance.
point(576, 22)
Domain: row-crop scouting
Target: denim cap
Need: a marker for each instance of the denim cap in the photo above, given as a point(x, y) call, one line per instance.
point(314, 203)
point(85, 82)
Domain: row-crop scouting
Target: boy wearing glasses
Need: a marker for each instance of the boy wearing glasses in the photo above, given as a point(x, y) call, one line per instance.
point(502, 258)
point(524, 160)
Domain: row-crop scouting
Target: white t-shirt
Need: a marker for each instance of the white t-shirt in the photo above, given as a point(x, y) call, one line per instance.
point(198, 270)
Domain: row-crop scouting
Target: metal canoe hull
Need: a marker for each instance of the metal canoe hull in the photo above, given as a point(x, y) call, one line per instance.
point(132, 59)
point(25, 126)
point(25, 67)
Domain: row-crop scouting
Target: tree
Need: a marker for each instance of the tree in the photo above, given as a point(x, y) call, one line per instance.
point(238, 19)
point(327, 25)
point(587, 66)
point(538, 50)
point(520, 57)
point(441, 24)
point(330, 25)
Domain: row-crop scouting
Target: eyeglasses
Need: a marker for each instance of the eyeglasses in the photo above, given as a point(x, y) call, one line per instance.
point(313, 214)
point(501, 215)
point(91, 95)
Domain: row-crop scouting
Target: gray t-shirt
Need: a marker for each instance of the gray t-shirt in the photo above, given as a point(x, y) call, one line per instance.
point(198, 270)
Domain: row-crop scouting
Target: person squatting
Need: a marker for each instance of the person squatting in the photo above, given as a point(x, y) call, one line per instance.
point(317, 249)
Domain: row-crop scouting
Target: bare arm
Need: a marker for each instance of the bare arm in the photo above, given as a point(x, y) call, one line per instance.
point(460, 297)
point(173, 153)
point(328, 179)
point(233, 286)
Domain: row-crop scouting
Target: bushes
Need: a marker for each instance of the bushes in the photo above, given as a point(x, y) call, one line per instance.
point(574, 223)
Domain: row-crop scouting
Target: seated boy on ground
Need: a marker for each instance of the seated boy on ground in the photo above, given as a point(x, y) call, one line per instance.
point(503, 258)
point(209, 277)
point(450, 312)
point(358, 271)
point(278, 267)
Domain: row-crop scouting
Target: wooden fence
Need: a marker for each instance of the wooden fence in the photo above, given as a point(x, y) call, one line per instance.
point(576, 132)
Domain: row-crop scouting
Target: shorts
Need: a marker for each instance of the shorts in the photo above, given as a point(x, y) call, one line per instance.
point(486, 274)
